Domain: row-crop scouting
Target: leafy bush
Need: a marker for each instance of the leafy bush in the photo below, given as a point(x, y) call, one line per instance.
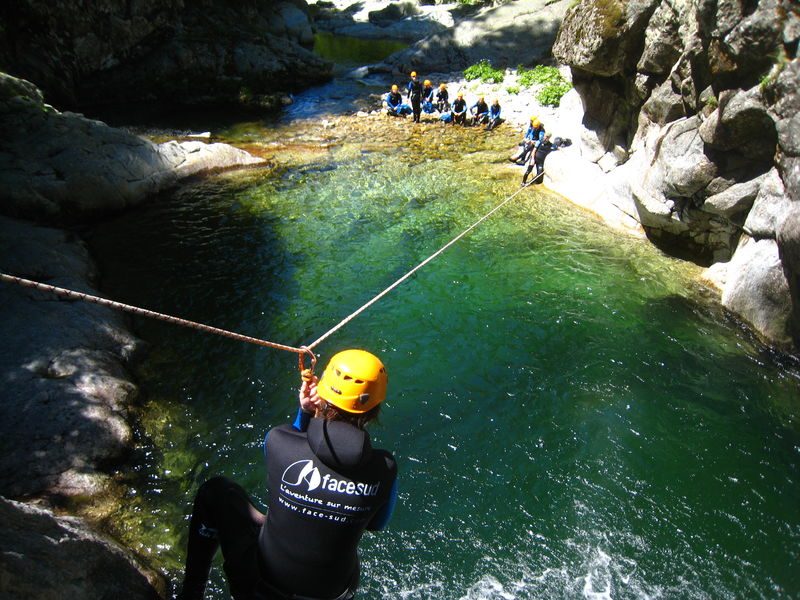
point(513, 90)
point(551, 94)
point(554, 86)
point(484, 71)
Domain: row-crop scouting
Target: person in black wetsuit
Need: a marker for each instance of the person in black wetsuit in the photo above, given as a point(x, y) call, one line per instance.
point(414, 88)
point(326, 484)
point(460, 110)
point(543, 148)
point(480, 111)
point(442, 99)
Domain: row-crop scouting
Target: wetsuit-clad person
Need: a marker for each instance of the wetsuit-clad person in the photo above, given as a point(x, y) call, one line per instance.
point(543, 148)
point(494, 115)
point(414, 88)
point(480, 112)
point(427, 97)
point(460, 109)
point(394, 104)
point(442, 99)
point(326, 485)
point(533, 135)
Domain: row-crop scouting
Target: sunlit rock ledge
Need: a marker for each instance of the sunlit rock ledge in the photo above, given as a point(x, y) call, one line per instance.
point(58, 167)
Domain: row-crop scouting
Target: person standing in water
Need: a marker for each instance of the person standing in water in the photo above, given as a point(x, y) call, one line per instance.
point(414, 88)
point(326, 486)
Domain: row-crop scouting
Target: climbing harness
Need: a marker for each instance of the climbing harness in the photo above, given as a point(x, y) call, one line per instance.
point(301, 351)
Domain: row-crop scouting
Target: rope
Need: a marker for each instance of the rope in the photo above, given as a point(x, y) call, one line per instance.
point(364, 307)
point(146, 313)
point(302, 351)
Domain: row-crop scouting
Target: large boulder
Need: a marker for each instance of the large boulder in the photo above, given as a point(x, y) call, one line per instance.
point(603, 38)
point(160, 50)
point(66, 394)
point(64, 167)
point(757, 289)
point(508, 35)
point(788, 238)
point(50, 557)
point(742, 123)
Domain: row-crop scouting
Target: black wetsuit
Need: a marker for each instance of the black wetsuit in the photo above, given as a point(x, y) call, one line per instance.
point(460, 111)
point(442, 101)
point(415, 95)
point(542, 150)
point(326, 486)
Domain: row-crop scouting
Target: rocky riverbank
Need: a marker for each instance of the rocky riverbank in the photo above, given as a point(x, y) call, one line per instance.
point(68, 407)
point(684, 122)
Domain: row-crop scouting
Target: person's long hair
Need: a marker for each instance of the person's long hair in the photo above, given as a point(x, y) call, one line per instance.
point(329, 412)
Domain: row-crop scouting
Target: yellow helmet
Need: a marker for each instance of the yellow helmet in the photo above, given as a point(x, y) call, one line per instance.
point(427, 82)
point(442, 86)
point(394, 88)
point(460, 94)
point(413, 73)
point(535, 121)
point(354, 381)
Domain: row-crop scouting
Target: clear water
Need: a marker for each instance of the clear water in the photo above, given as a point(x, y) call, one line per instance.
point(572, 417)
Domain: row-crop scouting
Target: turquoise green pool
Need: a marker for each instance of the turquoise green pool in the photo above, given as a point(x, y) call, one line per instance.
point(573, 416)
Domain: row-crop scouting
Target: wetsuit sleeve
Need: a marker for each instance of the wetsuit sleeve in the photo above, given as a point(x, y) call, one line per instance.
point(302, 420)
point(384, 515)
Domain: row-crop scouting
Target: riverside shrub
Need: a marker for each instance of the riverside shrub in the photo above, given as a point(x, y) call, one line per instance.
point(553, 85)
point(484, 71)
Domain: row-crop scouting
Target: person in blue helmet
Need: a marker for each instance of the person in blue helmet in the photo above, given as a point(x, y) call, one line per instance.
point(494, 115)
point(326, 486)
point(394, 105)
point(533, 135)
point(479, 112)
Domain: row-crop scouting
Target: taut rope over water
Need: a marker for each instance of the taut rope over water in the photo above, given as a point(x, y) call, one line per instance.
point(301, 351)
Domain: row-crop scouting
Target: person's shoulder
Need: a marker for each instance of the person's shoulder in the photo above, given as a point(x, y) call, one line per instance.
point(285, 429)
point(385, 458)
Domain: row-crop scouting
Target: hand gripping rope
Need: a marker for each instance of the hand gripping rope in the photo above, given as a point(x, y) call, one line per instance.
point(301, 351)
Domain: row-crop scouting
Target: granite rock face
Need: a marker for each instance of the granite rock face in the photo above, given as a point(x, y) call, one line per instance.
point(66, 392)
point(507, 35)
point(697, 104)
point(63, 167)
point(205, 51)
point(48, 557)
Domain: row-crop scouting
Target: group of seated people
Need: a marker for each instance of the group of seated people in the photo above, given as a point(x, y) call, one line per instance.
point(422, 97)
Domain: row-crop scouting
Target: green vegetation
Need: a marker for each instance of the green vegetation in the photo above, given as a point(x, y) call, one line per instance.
point(513, 90)
point(554, 86)
point(484, 71)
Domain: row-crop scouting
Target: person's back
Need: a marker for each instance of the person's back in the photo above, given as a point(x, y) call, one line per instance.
point(327, 485)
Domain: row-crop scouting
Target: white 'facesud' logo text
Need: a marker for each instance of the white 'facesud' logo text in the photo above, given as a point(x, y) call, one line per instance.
point(305, 471)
